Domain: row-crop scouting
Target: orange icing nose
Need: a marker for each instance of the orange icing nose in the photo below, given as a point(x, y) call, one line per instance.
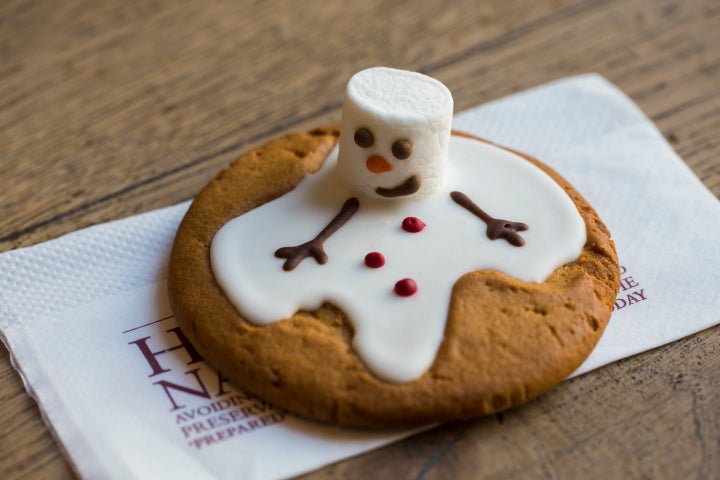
point(378, 164)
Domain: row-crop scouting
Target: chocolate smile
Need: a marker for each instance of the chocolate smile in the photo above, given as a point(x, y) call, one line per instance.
point(408, 187)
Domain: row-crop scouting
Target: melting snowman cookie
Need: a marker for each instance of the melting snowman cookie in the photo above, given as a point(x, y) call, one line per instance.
point(397, 160)
point(419, 303)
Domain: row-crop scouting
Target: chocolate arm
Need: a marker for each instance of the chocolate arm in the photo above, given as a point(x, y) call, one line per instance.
point(314, 248)
point(496, 227)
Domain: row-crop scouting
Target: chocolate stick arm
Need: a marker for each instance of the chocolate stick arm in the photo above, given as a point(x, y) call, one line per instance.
point(496, 227)
point(314, 248)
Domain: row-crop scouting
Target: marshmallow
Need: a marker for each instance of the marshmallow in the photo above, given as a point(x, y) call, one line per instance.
point(395, 132)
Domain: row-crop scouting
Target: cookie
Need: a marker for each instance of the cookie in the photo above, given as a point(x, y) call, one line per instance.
point(349, 286)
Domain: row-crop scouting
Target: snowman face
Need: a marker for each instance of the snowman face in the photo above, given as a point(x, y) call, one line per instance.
point(394, 135)
point(390, 163)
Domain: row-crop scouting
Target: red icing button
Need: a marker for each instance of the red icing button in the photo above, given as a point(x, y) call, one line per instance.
point(374, 260)
point(413, 224)
point(406, 287)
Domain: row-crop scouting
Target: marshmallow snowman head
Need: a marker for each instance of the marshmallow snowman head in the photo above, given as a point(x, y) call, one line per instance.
point(394, 133)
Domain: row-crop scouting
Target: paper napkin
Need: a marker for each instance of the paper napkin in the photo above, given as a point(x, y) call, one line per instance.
point(88, 325)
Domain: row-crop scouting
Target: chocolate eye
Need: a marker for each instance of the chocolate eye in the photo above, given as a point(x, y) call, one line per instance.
point(364, 138)
point(401, 149)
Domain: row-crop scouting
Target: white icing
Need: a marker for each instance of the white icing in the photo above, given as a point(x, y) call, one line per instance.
point(395, 105)
point(396, 337)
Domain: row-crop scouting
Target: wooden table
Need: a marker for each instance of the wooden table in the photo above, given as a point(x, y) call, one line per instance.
point(112, 108)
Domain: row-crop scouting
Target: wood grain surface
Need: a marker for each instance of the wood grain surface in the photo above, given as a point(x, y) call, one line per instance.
point(112, 108)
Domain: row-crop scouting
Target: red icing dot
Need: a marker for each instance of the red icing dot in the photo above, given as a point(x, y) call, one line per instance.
point(413, 224)
point(374, 260)
point(406, 287)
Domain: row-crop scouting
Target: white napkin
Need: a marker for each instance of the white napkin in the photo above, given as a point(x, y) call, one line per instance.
point(85, 316)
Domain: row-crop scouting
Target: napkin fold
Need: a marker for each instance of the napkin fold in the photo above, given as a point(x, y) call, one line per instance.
point(86, 319)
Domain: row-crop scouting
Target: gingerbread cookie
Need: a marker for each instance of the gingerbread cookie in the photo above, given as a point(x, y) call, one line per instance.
point(394, 274)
